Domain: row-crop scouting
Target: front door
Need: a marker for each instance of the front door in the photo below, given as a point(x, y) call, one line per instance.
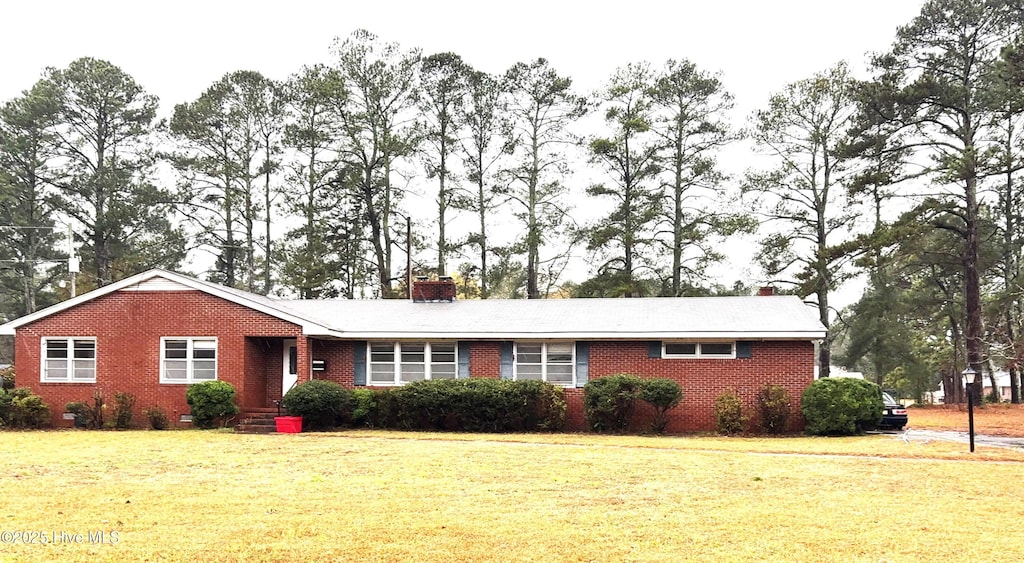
point(291, 366)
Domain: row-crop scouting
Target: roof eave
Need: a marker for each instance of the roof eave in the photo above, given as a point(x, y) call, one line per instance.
point(308, 326)
point(789, 335)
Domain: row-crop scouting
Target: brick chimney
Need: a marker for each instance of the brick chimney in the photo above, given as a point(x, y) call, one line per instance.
point(427, 291)
point(766, 291)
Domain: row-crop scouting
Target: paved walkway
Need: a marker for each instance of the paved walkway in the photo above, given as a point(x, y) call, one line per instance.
point(926, 436)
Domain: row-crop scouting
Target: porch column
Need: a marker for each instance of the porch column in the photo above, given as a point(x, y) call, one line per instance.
point(304, 367)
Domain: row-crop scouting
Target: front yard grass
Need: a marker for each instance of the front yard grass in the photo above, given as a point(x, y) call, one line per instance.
point(996, 419)
point(390, 496)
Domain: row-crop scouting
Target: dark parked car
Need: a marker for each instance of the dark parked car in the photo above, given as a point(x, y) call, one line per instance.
point(894, 415)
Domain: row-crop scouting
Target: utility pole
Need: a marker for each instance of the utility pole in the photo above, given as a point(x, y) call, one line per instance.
point(72, 259)
point(408, 258)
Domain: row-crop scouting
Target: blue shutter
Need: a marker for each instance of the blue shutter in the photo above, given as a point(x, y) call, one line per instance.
point(359, 367)
point(744, 349)
point(463, 372)
point(654, 349)
point(506, 360)
point(582, 363)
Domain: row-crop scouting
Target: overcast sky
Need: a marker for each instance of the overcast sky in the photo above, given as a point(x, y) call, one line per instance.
point(176, 49)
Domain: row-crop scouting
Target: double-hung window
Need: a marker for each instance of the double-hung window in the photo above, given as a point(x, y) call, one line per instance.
point(698, 350)
point(69, 360)
point(395, 363)
point(188, 360)
point(545, 361)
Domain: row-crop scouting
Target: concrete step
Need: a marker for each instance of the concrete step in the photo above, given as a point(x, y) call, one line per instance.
point(257, 421)
point(255, 429)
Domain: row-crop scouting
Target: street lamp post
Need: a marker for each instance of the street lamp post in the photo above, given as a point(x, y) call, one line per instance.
point(969, 375)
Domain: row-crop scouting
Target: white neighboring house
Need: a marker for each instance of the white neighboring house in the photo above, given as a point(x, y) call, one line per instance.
point(836, 371)
point(1002, 381)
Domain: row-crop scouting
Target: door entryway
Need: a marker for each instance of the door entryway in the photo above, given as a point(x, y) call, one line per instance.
point(290, 366)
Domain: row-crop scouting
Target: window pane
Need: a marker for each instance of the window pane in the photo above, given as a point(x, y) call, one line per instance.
point(528, 372)
point(560, 374)
point(204, 365)
point(175, 349)
point(85, 349)
point(56, 348)
point(413, 372)
point(56, 369)
point(382, 352)
point(204, 354)
point(680, 349)
point(413, 352)
point(716, 348)
point(382, 373)
point(84, 369)
point(442, 352)
point(560, 353)
point(84, 374)
point(205, 344)
point(176, 369)
point(528, 353)
point(442, 371)
point(204, 374)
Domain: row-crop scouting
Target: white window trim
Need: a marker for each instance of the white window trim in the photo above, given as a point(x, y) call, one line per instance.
point(71, 359)
point(396, 364)
point(697, 352)
point(544, 361)
point(189, 359)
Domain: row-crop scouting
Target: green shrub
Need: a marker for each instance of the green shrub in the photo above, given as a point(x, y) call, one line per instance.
point(211, 402)
point(841, 406)
point(7, 378)
point(473, 405)
point(383, 413)
point(81, 411)
point(608, 401)
point(321, 404)
point(541, 406)
point(662, 394)
point(123, 405)
point(729, 417)
point(422, 406)
point(157, 418)
point(21, 408)
point(90, 416)
point(364, 408)
point(773, 405)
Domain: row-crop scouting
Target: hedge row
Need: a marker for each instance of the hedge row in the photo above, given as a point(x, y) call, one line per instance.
point(608, 402)
point(468, 405)
point(21, 408)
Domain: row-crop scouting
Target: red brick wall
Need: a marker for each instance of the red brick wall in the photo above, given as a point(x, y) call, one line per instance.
point(128, 326)
point(789, 364)
point(340, 362)
point(274, 370)
point(485, 359)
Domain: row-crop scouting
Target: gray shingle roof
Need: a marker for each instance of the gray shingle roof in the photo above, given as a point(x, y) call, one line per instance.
point(776, 317)
point(706, 317)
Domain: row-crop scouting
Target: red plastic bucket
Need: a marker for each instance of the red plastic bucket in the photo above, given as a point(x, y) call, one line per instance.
point(288, 424)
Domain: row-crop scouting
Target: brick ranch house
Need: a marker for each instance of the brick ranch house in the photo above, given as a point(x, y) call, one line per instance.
point(155, 333)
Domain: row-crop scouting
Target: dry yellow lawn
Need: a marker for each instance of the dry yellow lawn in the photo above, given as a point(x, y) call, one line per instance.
point(386, 496)
point(1001, 419)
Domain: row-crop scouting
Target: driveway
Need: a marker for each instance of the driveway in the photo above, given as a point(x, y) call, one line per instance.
point(925, 436)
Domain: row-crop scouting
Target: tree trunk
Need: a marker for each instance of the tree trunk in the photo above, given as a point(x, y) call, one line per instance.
point(972, 283)
point(483, 230)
